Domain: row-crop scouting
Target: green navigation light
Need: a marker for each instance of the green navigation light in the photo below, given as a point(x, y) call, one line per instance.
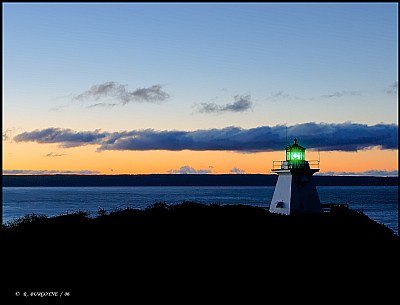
point(295, 152)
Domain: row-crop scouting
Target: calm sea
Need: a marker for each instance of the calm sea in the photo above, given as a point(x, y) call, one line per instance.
point(380, 203)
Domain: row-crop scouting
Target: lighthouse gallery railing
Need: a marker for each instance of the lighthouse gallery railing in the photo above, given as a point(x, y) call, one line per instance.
point(312, 164)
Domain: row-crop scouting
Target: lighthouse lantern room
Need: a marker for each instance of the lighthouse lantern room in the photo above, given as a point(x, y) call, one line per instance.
point(295, 191)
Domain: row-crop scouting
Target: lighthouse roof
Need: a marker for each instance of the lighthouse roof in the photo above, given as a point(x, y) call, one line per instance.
point(295, 146)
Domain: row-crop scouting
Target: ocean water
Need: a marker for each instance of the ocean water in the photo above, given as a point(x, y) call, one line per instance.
point(380, 203)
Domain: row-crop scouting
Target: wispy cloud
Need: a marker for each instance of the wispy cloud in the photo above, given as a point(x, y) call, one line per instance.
point(52, 154)
point(102, 105)
point(47, 172)
point(8, 134)
point(282, 95)
point(323, 136)
point(342, 93)
point(378, 173)
point(236, 170)
point(120, 93)
point(189, 170)
point(241, 103)
point(59, 108)
point(393, 88)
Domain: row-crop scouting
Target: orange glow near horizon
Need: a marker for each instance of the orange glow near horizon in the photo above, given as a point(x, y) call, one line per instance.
point(32, 156)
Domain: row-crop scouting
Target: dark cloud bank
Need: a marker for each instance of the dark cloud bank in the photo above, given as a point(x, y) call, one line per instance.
point(325, 137)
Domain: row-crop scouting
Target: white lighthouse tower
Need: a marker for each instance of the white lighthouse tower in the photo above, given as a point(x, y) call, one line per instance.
point(295, 192)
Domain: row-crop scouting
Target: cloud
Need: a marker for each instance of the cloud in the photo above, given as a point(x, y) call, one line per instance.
point(8, 134)
point(58, 108)
point(47, 172)
point(322, 136)
point(102, 105)
point(51, 154)
point(120, 93)
point(151, 94)
point(189, 170)
point(241, 103)
point(64, 137)
point(393, 88)
point(236, 170)
point(379, 173)
point(342, 93)
point(281, 95)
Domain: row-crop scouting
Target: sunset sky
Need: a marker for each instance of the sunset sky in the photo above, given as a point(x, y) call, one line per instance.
point(146, 88)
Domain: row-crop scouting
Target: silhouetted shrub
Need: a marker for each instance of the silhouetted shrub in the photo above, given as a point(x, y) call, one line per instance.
point(81, 213)
point(158, 206)
point(101, 212)
point(27, 219)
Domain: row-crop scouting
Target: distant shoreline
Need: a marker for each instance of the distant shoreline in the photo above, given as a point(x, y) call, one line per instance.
point(183, 180)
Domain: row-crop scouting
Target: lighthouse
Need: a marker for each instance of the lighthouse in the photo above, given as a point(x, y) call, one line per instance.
point(295, 191)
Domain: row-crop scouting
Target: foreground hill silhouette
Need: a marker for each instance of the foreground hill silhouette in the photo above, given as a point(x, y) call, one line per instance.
point(195, 248)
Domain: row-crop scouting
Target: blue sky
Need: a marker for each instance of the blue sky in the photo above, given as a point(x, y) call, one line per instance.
point(218, 65)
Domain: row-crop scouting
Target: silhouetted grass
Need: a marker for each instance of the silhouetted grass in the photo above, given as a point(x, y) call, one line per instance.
point(340, 224)
point(27, 219)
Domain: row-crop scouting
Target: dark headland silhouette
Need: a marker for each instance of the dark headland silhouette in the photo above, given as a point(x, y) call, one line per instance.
point(185, 180)
point(191, 252)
